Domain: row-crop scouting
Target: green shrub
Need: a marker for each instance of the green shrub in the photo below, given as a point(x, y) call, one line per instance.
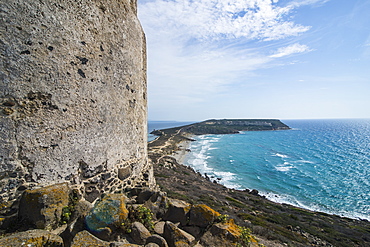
point(140, 214)
point(245, 236)
point(223, 218)
point(66, 215)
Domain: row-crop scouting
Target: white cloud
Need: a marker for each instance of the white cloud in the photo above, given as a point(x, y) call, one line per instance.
point(298, 3)
point(199, 73)
point(289, 50)
point(197, 50)
point(219, 19)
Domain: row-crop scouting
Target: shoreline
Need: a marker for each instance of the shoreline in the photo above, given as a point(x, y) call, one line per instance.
point(183, 149)
point(281, 223)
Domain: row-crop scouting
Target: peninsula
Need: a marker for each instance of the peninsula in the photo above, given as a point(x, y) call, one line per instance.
point(227, 126)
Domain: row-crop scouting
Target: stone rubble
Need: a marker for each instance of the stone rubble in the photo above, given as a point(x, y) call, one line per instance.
point(115, 220)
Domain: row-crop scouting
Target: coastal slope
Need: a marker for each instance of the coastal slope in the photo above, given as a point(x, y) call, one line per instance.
point(272, 223)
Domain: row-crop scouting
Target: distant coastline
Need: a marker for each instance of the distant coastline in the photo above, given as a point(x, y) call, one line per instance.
point(226, 126)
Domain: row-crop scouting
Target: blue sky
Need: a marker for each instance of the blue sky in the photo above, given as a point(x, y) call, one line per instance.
point(285, 59)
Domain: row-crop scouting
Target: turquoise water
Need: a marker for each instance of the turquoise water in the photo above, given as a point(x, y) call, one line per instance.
point(322, 165)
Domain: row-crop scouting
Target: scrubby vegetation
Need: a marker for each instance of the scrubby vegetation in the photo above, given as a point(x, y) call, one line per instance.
point(140, 214)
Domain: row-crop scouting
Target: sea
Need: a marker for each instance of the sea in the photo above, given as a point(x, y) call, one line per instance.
point(320, 165)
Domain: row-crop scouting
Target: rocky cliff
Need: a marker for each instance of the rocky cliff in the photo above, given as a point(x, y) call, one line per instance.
point(72, 97)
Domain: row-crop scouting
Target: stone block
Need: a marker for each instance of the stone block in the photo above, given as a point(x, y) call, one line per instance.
point(158, 204)
point(176, 237)
point(86, 239)
point(139, 233)
point(228, 230)
point(201, 215)
point(196, 231)
point(159, 227)
point(152, 245)
point(160, 241)
point(42, 208)
point(177, 211)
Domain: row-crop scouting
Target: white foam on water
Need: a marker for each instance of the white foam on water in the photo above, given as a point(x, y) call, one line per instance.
point(281, 155)
point(306, 161)
point(227, 179)
point(225, 174)
point(198, 160)
point(198, 157)
point(285, 167)
point(287, 199)
point(214, 139)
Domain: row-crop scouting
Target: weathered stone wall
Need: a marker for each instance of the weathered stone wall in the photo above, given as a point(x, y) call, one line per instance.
point(72, 96)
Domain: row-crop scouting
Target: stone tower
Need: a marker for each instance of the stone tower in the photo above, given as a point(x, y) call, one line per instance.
point(73, 102)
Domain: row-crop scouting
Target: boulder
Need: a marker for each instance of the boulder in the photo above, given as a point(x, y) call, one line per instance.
point(144, 195)
point(85, 239)
point(158, 204)
point(176, 237)
point(228, 230)
point(32, 238)
point(156, 239)
point(209, 240)
point(196, 231)
point(139, 233)
point(159, 227)
point(107, 215)
point(177, 211)
point(42, 208)
point(198, 245)
point(151, 245)
point(201, 215)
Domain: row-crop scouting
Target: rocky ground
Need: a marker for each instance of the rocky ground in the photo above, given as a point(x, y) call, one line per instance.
point(58, 216)
point(271, 223)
